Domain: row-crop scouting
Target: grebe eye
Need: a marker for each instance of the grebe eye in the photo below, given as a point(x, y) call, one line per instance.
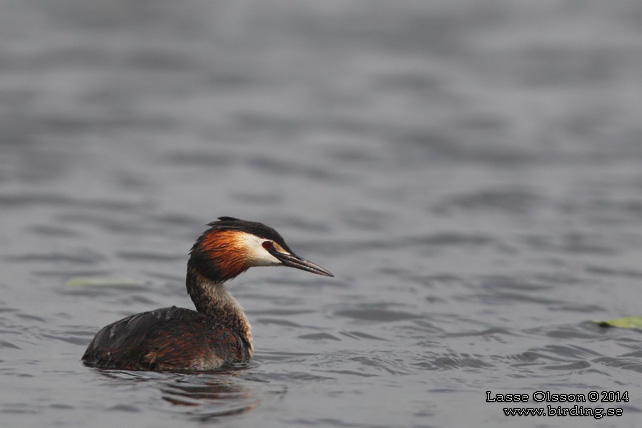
point(267, 245)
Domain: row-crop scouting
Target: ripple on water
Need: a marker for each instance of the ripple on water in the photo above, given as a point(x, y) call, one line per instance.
point(281, 322)
point(570, 367)
point(316, 337)
point(614, 272)
point(574, 243)
point(459, 362)
point(508, 201)
point(28, 198)
point(623, 362)
point(218, 159)
point(82, 257)
point(123, 408)
point(54, 231)
point(422, 242)
point(297, 168)
point(359, 363)
point(359, 335)
point(152, 256)
point(8, 345)
point(207, 396)
point(374, 312)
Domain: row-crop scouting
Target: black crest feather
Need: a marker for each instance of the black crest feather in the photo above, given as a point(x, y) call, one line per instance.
point(253, 227)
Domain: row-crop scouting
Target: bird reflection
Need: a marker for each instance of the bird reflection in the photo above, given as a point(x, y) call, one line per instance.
point(206, 396)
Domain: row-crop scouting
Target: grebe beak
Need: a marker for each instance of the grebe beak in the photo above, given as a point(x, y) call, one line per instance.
point(297, 262)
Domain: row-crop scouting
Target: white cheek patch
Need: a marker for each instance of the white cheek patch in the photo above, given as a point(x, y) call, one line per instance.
point(258, 255)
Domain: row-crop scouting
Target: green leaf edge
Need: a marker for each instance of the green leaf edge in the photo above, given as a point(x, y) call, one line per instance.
point(626, 322)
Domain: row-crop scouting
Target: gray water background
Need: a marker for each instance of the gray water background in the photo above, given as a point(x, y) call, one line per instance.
point(471, 171)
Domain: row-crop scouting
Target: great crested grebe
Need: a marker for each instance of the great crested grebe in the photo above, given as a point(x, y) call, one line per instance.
point(218, 332)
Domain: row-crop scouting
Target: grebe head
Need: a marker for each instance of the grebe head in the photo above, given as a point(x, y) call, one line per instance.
point(231, 246)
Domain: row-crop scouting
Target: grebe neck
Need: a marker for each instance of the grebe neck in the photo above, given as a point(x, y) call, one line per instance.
point(213, 300)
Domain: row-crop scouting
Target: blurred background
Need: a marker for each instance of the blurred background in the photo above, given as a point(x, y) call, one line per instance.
point(471, 172)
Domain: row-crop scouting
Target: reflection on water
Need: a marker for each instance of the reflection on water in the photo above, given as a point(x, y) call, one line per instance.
point(469, 170)
point(209, 396)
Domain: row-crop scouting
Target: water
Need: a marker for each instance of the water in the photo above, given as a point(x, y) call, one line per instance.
point(471, 172)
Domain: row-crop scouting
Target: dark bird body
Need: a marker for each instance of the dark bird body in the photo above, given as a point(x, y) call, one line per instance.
point(167, 339)
point(217, 333)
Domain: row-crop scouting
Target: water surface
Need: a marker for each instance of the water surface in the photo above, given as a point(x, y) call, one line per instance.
point(470, 171)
